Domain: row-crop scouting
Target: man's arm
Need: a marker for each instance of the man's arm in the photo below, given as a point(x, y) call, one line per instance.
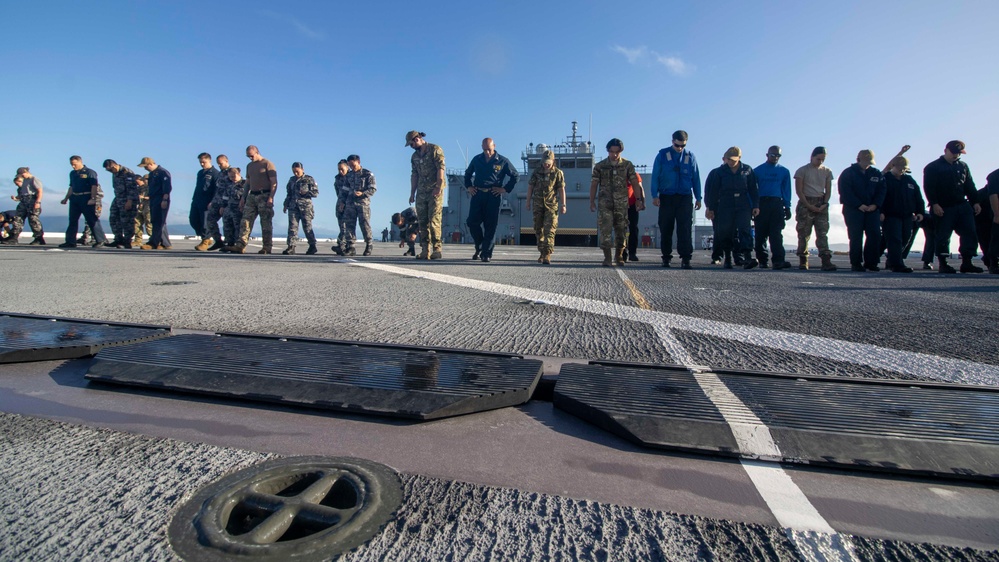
point(754, 192)
point(994, 201)
point(38, 194)
point(412, 186)
point(697, 181)
point(510, 171)
point(272, 177)
point(560, 186)
point(370, 188)
point(593, 194)
point(785, 188)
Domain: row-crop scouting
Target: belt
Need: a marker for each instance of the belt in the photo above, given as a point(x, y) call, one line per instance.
point(770, 198)
point(81, 193)
point(258, 192)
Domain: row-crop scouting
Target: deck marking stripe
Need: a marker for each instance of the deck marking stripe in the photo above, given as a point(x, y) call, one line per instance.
point(895, 360)
point(635, 293)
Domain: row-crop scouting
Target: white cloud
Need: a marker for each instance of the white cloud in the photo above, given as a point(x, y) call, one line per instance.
point(633, 55)
point(646, 56)
point(302, 29)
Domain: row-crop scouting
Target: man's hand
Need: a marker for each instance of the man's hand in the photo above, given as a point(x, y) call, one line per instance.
point(882, 217)
point(977, 208)
point(655, 201)
point(437, 191)
point(697, 206)
point(64, 201)
point(822, 207)
point(593, 207)
point(709, 214)
point(38, 204)
point(270, 201)
point(937, 210)
point(904, 150)
point(497, 191)
point(412, 199)
point(358, 194)
point(401, 243)
point(472, 190)
point(165, 204)
point(640, 205)
point(787, 213)
point(13, 197)
point(528, 205)
point(919, 218)
point(91, 201)
point(128, 205)
point(756, 212)
point(284, 208)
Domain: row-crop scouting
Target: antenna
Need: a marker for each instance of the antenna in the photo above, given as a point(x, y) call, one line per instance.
point(463, 153)
point(589, 138)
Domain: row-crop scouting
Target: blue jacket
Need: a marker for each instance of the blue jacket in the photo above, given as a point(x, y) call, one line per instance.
point(729, 189)
point(676, 174)
point(902, 197)
point(774, 181)
point(858, 187)
point(490, 173)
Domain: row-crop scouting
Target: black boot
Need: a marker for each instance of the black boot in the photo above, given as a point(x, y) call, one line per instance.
point(944, 268)
point(39, 241)
point(968, 267)
point(749, 262)
point(312, 250)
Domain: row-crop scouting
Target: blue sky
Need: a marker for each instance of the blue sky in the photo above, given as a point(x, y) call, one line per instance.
point(316, 81)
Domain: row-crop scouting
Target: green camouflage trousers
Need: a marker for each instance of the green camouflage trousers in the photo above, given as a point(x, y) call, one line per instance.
point(143, 222)
point(806, 220)
point(612, 218)
point(545, 223)
point(256, 205)
point(428, 212)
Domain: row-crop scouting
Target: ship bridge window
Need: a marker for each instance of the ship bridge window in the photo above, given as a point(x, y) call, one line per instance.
point(567, 163)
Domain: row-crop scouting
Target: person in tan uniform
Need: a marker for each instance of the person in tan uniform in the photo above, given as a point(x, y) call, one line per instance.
point(546, 192)
point(813, 184)
point(261, 181)
point(427, 192)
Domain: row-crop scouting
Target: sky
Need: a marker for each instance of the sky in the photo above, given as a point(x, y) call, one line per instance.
point(316, 81)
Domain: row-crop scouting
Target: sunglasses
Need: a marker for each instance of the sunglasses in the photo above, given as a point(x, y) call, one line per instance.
point(773, 155)
point(678, 145)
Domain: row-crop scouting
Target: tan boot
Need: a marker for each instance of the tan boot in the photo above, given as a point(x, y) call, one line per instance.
point(607, 257)
point(802, 262)
point(436, 255)
point(264, 251)
point(541, 258)
point(619, 257)
point(424, 254)
point(547, 258)
point(827, 264)
point(204, 245)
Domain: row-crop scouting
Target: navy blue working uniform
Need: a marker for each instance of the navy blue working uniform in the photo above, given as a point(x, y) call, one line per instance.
point(992, 251)
point(204, 191)
point(903, 200)
point(8, 218)
point(81, 182)
point(732, 195)
point(160, 186)
point(774, 183)
point(483, 211)
point(951, 187)
point(676, 182)
point(862, 187)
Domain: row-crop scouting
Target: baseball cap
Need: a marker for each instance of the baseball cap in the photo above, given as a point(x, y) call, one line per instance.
point(146, 161)
point(21, 170)
point(900, 161)
point(733, 151)
point(956, 147)
point(867, 153)
point(548, 155)
point(412, 135)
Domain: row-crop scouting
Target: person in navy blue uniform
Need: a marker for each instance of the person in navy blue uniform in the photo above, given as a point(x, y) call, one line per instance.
point(82, 199)
point(774, 183)
point(862, 192)
point(903, 205)
point(992, 189)
point(951, 193)
point(160, 187)
point(484, 183)
point(204, 191)
point(731, 195)
point(676, 183)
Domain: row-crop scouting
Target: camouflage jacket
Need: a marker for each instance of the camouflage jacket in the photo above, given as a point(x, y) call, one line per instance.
point(613, 178)
point(300, 188)
point(426, 165)
point(125, 186)
point(410, 222)
point(228, 194)
point(364, 181)
point(223, 185)
point(342, 189)
point(546, 185)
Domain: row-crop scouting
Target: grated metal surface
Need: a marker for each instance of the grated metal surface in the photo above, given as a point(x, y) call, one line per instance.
point(928, 429)
point(26, 337)
point(388, 380)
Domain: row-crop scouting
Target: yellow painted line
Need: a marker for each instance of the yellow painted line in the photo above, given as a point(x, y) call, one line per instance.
point(635, 293)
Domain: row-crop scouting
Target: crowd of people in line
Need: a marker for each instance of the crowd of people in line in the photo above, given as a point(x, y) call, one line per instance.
point(882, 209)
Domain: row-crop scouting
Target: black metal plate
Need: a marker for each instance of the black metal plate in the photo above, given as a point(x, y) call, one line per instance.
point(933, 429)
point(27, 337)
point(394, 381)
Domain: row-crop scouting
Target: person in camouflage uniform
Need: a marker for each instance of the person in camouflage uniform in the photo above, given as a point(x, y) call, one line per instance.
point(98, 209)
point(409, 229)
point(360, 188)
point(215, 206)
point(125, 204)
point(143, 221)
point(612, 175)
point(546, 193)
point(226, 202)
point(301, 189)
point(340, 186)
point(427, 191)
point(29, 206)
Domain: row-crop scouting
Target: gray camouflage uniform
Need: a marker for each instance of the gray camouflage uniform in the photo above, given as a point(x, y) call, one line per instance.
point(298, 203)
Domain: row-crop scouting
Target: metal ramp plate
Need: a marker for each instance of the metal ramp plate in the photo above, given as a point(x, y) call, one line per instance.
point(27, 337)
point(408, 382)
point(926, 428)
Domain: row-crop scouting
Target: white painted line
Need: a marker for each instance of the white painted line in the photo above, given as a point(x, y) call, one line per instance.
point(751, 434)
point(895, 360)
